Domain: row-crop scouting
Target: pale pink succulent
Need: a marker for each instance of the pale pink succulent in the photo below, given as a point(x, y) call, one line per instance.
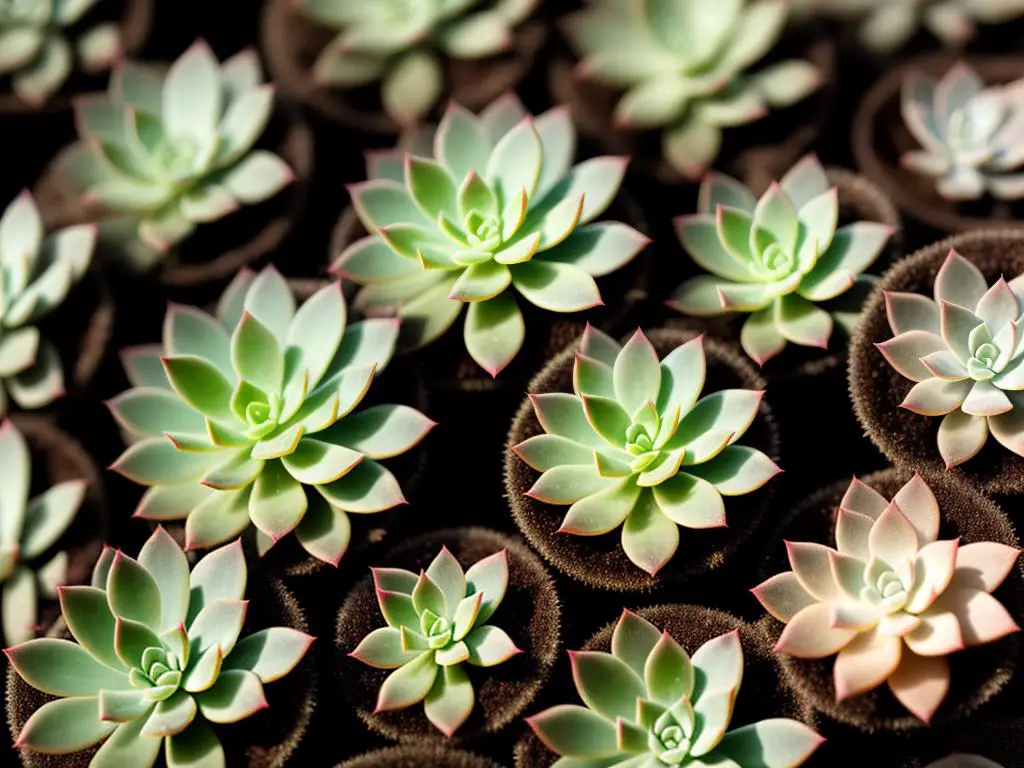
point(892, 600)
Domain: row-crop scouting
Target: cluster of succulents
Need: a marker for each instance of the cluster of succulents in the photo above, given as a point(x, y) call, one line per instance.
point(965, 353)
point(498, 210)
point(156, 660)
point(397, 43)
point(37, 272)
point(684, 66)
point(29, 528)
point(163, 152)
point(649, 703)
point(239, 418)
point(777, 258)
point(636, 446)
point(892, 600)
point(437, 621)
point(969, 133)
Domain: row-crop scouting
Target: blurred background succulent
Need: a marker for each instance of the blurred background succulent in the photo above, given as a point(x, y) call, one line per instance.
point(162, 153)
point(435, 622)
point(648, 703)
point(970, 134)
point(683, 65)
point(240, 416)
point(28, 529)
point(964, 761)
point(399, 43)
point(157, 660)
point(36, 274)
point(965, 351)
point(635, 447)
point(498, 207)
point(892, 600)
point(34, 49)
point(777, 258)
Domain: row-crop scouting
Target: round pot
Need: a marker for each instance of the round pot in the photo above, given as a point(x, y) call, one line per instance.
point(977, 673)
point(599, 561)
point(877, 389)
point(530, 614)
point(760, 697)
point(265, 740)
point(420, 756)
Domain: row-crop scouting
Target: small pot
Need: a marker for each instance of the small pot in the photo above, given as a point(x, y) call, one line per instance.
point(291, 42)
point(420, 756)
point(265, 740)
point(977, 673)
point(599, 561)
point(760, 696)
point(530, 613)
point(877, 389)
point(880, 137)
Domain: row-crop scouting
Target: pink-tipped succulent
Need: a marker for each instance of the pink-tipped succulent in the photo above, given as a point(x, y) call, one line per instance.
point(892, 600)
point(435, 622)
point(965, 351)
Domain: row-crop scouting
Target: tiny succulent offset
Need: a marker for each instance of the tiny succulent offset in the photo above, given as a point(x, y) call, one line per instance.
point(28, 530)
point(37, 272)
point(969, 134)
point(155, 660)
point(160, 154)
point(684, 66)
point(435, 622)
point(241, 417)
point(34, 49)
point(650, 705)
point(777, 259)
point(892, 600)
point(633, 446)
point(965, 352)
point(398, 42)
point(499, 210)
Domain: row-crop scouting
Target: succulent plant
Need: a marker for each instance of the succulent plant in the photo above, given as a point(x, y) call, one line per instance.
point(969, 133)
point(964, 761)
point(36, 274)
point(398, 43)
point(160, 154)
point(28, 530)
point(635, 447)
point(34, 48)
point(498, 210)
point(893, 600)
point(649, 704)
point(157, 660)
point(683, 65)
point(964, 351)
point(241, 416)
point(435, 622)
point(776, 258)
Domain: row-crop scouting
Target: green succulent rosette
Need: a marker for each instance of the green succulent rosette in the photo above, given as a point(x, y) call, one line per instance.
point(249, 417)
point(498, 210)
point(157, 659)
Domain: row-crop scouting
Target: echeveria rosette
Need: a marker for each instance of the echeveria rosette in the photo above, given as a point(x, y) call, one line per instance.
point(965, 351)
point(893, 600)
point(435, 622)
point(242, 416)
point(635, 447)
point(499, 210)
point(777, 258)
point(970, 134)
point(157, 658)
point(37, 271)
point(162, 153)
point(398, 43)
point(685, 68)
point(28, 529)
point(34, 49)
point(650, 705)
